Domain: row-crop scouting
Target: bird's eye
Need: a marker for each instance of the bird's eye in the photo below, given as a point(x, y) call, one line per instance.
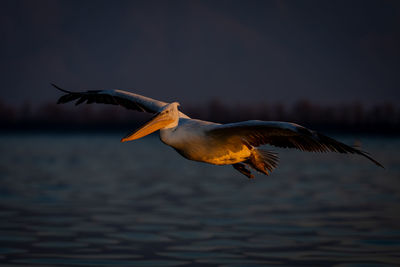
point(167, 111)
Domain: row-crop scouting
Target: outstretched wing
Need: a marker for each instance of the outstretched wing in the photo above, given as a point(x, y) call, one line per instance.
point(282, 134)
point(114, 97)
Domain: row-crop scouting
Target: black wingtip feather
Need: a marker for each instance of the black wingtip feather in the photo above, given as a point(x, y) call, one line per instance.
point(365, 154)
point(61, 89)
point(82, 99)
point(343, 148)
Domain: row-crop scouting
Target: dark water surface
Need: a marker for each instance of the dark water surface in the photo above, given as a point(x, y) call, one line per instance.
point(88, 200)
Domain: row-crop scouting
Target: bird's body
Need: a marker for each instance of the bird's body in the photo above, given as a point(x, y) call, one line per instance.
point(191, 139)
point(236, 144)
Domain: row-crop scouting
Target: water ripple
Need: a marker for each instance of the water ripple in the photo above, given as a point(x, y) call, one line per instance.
point(91, 201)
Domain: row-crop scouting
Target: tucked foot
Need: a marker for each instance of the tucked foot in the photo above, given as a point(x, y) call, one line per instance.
point(242, 169)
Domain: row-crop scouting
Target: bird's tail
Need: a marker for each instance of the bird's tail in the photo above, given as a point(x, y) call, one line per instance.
point(262, 160)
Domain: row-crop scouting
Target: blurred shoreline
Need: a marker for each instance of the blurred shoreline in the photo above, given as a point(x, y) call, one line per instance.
point(381, 119)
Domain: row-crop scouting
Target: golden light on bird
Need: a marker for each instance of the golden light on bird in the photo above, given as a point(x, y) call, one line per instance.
point(237, 144)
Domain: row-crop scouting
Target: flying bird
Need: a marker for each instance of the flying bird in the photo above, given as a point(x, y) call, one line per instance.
point(237, 144)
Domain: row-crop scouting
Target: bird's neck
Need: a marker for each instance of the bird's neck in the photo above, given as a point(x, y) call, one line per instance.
point(167, 135)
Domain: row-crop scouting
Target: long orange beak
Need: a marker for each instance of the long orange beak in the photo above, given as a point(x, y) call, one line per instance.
point(157, 122)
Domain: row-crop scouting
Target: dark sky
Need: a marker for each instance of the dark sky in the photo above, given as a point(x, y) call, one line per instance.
point(195, 51)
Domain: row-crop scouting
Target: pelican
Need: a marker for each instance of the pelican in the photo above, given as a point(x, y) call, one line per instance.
point(237, 144)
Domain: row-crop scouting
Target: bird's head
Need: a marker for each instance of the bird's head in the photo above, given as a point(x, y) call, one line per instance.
point(168, 117)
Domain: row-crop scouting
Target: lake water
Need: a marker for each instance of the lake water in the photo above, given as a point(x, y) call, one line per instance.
point(89, 200)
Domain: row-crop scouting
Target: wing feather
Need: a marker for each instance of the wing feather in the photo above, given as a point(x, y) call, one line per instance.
point(282, 134)
point(125, 99)
point(114, 97)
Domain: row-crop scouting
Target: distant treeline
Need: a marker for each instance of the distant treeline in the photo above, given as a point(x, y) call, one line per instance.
point(345, 118)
